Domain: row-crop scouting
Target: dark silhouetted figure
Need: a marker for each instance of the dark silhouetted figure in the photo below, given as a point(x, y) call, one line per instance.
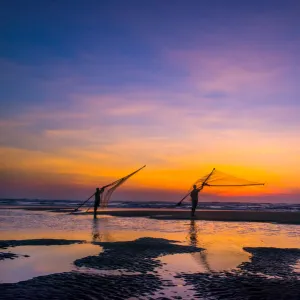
point(97, 200)
point(194, 196)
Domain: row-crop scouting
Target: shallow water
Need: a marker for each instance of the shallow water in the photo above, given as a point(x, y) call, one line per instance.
point(223, 243)
point(43, 260)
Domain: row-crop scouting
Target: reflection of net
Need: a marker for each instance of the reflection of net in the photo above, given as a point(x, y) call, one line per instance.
point(107, 194)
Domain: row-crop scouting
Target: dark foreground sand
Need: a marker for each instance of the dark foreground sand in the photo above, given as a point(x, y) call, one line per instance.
point(269, 275)
point(137, 256)
point(233, 286)
point(38, 242)
point(9, 255)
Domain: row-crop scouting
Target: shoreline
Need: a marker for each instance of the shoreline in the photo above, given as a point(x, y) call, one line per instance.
point(209, 215)
point(180, 214)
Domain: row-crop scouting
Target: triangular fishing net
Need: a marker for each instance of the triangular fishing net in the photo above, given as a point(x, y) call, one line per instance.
point(219, 179)
point(106, 195)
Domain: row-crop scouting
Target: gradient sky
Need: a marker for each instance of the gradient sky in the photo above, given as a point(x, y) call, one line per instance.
point(92, 90)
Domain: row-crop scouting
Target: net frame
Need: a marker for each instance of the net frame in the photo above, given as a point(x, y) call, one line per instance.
point(214, 178)
point(106, 195)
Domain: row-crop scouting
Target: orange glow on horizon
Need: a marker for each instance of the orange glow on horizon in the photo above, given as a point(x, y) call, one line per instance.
point(42, 169)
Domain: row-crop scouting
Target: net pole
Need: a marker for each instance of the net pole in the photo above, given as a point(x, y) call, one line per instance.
point(83, 203)
point(116, 181)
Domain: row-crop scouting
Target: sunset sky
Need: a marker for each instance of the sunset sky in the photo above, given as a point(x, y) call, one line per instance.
point(92, 90)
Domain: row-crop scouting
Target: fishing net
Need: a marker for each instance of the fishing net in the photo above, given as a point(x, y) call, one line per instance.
point(106, 195)
point(219, 179)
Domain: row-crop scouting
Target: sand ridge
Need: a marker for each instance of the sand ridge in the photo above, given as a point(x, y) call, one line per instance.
point(9, 255)
point(137, 256)
point(37, 242)
point(268, 275)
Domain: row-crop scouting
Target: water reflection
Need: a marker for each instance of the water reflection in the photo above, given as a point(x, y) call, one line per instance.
point(193, 233)
point(223, 241)
point(95, 231)
point(100, 232)
point(200, 257)
point(43, 260)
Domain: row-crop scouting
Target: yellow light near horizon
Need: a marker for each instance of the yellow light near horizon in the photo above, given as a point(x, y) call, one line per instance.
point(83, 171)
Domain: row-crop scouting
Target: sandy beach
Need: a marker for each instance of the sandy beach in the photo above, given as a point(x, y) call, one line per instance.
point(180, 214)
point(208, 215)
point(56, 255)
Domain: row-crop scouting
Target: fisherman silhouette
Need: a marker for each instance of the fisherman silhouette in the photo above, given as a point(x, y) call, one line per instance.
point(97, 200)
point(194, 196)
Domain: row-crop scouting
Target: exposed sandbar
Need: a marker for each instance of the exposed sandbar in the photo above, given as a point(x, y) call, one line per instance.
point(138, 256)
point(208, 215)
point(37, 242)
point(75, 285)
point(268, 275)
point(242, 286)
point(9, 255)
point(283, 217)
point(272, 261)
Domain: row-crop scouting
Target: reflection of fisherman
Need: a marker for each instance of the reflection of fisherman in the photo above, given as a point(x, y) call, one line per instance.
point(201, 256)
point(97, 200)
point(194, 196)
point(193, 233)
point(95, 231)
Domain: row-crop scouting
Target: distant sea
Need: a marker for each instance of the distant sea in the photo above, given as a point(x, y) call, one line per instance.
point(156, 204)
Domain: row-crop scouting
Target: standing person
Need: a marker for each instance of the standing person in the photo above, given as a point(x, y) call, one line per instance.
point(97, 200)
point(194, 196)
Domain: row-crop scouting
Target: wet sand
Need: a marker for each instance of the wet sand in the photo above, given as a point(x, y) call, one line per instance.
point(134, 256)
point(139, 256)
point(37, 242)
point(75, 285)
point(9, 255)
point(274, 262)
point(268, 275)
point(232, 286)
point(209, 215)
point(77, 257)
point(181, 214)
